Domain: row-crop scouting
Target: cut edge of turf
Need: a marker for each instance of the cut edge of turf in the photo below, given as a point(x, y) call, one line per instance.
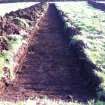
point(90, 56)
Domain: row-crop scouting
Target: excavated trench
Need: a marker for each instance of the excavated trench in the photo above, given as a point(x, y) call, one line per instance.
point(51, 67)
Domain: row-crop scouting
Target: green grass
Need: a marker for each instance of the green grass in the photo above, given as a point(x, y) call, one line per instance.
point(6, 57)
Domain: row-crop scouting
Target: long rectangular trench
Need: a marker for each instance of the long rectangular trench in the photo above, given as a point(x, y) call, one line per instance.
point(50, 67)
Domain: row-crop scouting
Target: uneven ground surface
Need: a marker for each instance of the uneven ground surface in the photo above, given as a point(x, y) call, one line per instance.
point(13, 7)
point(50, 67)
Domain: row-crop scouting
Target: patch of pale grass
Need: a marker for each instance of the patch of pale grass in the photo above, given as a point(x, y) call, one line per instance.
point(43, 101)
point(47, 101)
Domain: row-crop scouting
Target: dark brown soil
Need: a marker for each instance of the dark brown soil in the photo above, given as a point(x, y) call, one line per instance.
point(3, 44)
point(8, 27)
point(51, 67)
point(30, 13)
